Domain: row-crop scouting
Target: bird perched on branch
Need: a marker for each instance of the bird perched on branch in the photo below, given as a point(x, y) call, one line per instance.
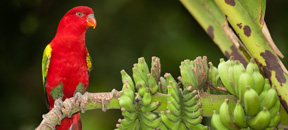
point(66, 63)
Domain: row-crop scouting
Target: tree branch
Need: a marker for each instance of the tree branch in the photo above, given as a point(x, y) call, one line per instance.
point(89, 101)
point(109, 100)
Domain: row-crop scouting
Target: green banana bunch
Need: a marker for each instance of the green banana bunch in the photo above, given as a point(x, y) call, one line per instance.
point(183, 109)
point(138, 111)
point(250, 87)
point(172, 117)
point(192, 110)
point(129, 113)
point(194, 73)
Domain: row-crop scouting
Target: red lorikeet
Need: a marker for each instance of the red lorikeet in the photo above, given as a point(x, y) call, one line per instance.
point(66, 63)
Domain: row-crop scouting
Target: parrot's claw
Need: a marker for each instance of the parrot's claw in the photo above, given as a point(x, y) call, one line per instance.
point(59, 104)
point(78, 96)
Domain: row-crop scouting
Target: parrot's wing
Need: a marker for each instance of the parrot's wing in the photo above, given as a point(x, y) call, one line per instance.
point(88, 62)
point(45, 66)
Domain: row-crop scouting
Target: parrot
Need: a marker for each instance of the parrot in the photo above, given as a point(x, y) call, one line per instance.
point(66, 62)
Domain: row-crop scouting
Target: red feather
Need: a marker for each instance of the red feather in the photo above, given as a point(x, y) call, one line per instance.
point(68, 62)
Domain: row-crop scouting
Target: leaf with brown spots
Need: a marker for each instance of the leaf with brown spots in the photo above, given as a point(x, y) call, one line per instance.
point(230, 2)
point(272, 64)
point(247, 30)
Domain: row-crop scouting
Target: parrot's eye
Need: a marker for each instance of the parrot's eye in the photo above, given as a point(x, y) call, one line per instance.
point(79, 14)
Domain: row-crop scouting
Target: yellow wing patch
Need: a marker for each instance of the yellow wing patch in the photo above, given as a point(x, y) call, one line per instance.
point(46, 61)
point(88, 62)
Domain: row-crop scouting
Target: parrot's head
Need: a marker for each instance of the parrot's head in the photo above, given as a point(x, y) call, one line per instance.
point(78, 19)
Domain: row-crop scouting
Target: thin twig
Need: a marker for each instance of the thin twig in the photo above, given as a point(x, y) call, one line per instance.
point(220, 88)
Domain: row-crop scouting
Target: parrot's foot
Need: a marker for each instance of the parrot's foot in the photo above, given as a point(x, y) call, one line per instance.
point(77, 97)
point(59, 105)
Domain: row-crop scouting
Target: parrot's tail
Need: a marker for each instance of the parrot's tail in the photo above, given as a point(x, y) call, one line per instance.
point(73, 123)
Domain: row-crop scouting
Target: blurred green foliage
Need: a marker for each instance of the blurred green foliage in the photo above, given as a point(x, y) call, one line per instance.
point(126, 30)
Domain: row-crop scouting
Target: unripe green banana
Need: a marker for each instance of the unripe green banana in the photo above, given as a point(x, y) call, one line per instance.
point(173, 109)
point(189, 95)
point(149, 116)
point(216, 122)
point(182, 126)
point(127, 103)
point(258, 81)
point(187, 73)
point(251, 102)
point(193, 108)
point(267, 86)
point(226, 116)
point(170, 124)
point(174, 102)
point(147, 98)
point(250, 67)
point(151, 123)
point(276, 108)
point(192, 101)
point(171, 116)
point(127, 78)
point(238, 70)
point(142, 90)
point(170, 80)
point(213, 75)
point(152, 84)
point(193, 115)
point(162, 127)
point(150, 107)
point(239, 115)
point(194, 121)
point(128, 92)
point(223, 73)
point(163, 86)
point(174, 93)
point(137, 124)
point(132, 126)
point(125, 123)
point(269, 99)
point(138, 77)
point(231, 75)
point(275, 120)
point(244, 80)
point(197, 127)
point(128, 115)
point(261, 121)
point(143, 67)
point(143, 126)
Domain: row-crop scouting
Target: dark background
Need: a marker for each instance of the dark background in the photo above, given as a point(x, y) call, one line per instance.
point(126, 30)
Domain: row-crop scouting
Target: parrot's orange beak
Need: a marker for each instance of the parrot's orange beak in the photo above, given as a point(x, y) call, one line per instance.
point(91, 21)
